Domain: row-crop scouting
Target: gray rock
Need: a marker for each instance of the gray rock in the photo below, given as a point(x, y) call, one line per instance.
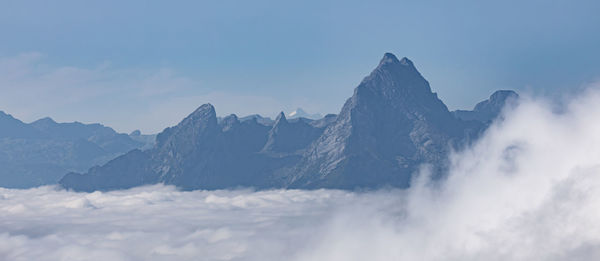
point(392, 125)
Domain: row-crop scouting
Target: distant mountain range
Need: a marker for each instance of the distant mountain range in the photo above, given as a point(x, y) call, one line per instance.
point(41, 152)
point(300, 113)
point(391, 125)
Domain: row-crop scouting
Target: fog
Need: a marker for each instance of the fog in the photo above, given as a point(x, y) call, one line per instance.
point(529, 189)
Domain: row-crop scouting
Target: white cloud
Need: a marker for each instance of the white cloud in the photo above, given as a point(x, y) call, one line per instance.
point(528, 190)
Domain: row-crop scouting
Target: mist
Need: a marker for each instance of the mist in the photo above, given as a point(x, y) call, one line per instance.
point(527, 190)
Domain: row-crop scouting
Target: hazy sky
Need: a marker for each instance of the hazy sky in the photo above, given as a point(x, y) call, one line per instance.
point(147, 64)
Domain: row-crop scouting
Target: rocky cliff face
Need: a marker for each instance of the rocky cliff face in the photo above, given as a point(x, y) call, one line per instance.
point(391, 125)
point(201, 152)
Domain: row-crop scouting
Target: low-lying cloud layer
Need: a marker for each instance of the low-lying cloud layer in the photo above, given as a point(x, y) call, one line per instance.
point(528, 190)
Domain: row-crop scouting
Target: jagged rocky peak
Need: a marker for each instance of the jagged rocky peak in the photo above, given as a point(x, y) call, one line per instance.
point(397, 87)
point(280, 119)
point(198, 122)
point(499, 98)
point(204, 112)
point(202, 117)
point(229, 122)
point(289, 137)
point(390, 59)
point(390, 126)
point(395, 79)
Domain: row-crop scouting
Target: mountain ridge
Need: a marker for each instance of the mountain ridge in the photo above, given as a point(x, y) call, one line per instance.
point(41, 152)
point(392, 124)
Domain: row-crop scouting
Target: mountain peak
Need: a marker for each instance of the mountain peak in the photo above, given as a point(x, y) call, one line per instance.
point(205, 113)
point(396, 79)
point(390, 58)
point(497, 101)
point(407, 62)
point(280, 119)
point(503, 95)
point(205, 108)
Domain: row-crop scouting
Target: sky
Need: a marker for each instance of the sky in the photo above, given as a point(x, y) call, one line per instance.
point(147, 64)
point(526, 190)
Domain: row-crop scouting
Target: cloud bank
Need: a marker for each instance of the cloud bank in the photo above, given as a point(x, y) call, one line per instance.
point(528, 190)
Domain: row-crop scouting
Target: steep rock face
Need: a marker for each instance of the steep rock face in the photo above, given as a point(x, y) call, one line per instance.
point(290, 137)
point(488, 110)
point(204, 153)
point(391, 125)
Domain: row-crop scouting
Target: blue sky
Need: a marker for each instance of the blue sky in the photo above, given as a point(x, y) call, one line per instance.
point(146, 64)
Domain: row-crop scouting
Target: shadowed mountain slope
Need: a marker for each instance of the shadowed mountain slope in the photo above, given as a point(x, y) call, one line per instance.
point(41, 152)
point(391, 125)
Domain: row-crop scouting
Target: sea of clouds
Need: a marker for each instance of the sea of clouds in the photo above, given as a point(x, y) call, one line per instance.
point(529, 189)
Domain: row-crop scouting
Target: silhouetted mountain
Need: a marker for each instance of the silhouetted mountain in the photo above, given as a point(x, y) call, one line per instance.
point(390, 126)
point(486, 111)
point(42, 152)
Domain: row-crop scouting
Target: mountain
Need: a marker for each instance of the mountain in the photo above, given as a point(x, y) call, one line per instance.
point(300, 113)
point(486, 111)
point(13, 128)
point(391, 125)
point(41, 152)
point(202, 152)
point(104, 137)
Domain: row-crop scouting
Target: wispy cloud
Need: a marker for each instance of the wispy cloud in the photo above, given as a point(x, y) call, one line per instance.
point(127, 99)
